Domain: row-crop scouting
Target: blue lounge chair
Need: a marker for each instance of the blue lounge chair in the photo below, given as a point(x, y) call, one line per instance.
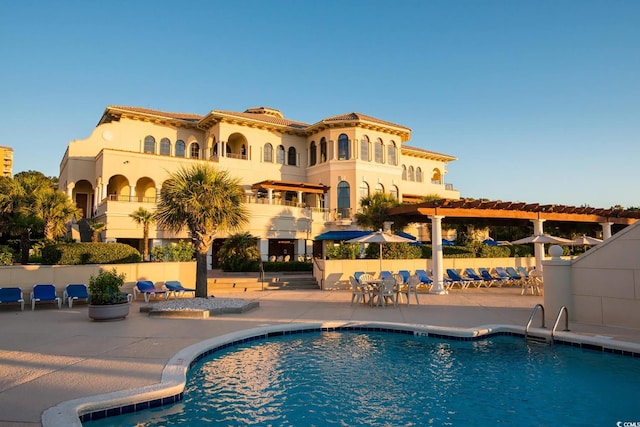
point(424, 277)
point(405, 275)
point(75, 292)
point(12, 295)
point(516, 278)
point(489, 279)
point(146, 288)
point(44, 293)
point(523, 271)
point(502, 273)
point(477, 280)
point(175, 287)
point(456, 279)
point(385, 275)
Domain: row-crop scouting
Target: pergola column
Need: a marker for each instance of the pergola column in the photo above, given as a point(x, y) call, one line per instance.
point(300, 201)
point(606, 230)
point(270, 195)
point(538, 248)
point(436, 244)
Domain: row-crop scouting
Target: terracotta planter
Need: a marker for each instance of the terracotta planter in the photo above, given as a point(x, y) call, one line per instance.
point(108, 312)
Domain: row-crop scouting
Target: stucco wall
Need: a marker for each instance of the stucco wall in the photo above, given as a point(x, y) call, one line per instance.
point(605, 281)
point(25, 276)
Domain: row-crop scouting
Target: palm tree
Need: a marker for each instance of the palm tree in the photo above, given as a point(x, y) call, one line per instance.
point(96, 228)
point(54, 209)
point(239, 252)
point(375, 212)
point(205, 200)
point(144, 217)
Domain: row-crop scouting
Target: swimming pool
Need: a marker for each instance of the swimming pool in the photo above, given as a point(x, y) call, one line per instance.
point(373, 377)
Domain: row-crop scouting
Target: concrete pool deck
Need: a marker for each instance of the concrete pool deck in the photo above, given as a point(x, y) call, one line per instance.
point(49, 356)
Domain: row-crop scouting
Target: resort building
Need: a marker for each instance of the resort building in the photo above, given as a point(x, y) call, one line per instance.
point(301, 180)
point(6, 154)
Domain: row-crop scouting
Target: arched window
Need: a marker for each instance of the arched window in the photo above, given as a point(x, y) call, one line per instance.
point(195, 150)
point(280, 155)
point(410, 174)
point(344, 199)
point(392, 154)
point(436, 177)
point(323, 150)
point(165, 147)
point(364, 190)
point(180, 148)
point(312, 154)
point(149, 144)
point(379, 188)
point(365, 146)
point(379, 151)
point(268, 153)
point(393, 191)
point(292, 156)
point(419, 177)
point(404, 173)
point(343, 147)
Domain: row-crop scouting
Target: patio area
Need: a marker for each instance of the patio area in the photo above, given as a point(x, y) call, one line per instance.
point(48, 356)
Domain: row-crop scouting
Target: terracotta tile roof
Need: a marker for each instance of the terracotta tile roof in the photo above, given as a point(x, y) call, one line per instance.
point(179, 116)
point(417, 150)
point(267, 118)
point(362, 117)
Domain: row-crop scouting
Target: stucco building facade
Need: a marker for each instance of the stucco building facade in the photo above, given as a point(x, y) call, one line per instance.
point(300, 179)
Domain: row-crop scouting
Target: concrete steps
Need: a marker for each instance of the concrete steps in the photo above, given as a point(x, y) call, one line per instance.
point(245, 282)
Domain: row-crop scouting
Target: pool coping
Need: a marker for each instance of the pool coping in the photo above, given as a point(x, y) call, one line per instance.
point(171, 386)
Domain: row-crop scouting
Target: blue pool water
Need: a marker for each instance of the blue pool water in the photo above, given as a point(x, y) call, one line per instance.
point(389, 379)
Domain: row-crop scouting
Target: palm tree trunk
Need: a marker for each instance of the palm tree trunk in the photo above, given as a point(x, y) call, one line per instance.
point(145, 251)
point(25, 245)
point(201, 274)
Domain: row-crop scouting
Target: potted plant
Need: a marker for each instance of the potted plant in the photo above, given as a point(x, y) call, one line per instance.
point(106, 300)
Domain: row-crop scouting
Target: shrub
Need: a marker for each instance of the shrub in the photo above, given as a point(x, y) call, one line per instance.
point(393, 251)
point(104, 289)
point(344, 251)
point(177, 252)
point(89, 253)
point(6, 255)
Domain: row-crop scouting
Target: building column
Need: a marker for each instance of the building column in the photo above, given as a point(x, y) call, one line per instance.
point(300, 201)
point(438, 267)
point(270, 195)
point(538, 248)
point(158, 190)
point(606, 230)
point(132, 193)
point(70, 187)
point(103, 192)
point(263, 246)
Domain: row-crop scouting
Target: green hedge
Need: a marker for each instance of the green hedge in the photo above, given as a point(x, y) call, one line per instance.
point(6, 255)
point(89, 253)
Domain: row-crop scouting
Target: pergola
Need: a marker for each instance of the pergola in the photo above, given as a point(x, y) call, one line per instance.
point(501, 213)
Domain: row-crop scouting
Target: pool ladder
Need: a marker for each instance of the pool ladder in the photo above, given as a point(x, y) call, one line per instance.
point(563, 310)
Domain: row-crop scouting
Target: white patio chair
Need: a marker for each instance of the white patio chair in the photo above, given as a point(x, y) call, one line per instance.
point(386, 291)
point(358, 291)
point(410, 287)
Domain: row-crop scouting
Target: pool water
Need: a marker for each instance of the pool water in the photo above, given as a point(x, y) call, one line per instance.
point(390, 379)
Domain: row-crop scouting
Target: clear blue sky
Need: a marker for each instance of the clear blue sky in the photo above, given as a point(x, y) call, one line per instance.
point(539, 100)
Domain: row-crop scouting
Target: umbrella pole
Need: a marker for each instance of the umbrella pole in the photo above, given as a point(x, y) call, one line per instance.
point(380, 244)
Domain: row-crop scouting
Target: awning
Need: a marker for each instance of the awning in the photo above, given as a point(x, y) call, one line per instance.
point(342, 235)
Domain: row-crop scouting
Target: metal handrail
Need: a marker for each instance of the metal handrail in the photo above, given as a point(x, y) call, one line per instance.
point(533, 313)
point(564, 310)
